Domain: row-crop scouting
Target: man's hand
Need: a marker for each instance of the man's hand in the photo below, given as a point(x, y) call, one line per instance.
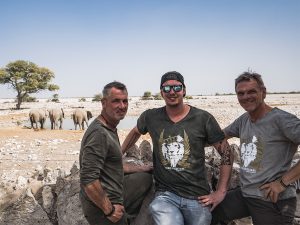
point(118, 213)
point(212, 199)
point(272, 190)
point(147, 167)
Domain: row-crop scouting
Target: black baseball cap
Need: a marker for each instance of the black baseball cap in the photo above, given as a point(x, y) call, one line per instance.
point(172, 75)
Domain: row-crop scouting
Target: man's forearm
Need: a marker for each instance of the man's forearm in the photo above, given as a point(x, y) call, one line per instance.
point(97, 195)
point(292, 175)
point(224, 178)
point(130, 140)
point(133, 168)
point(226, 165)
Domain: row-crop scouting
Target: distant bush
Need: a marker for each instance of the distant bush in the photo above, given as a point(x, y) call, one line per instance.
point(157, 96)
point(55, 98)
point(147, 96)
point(82, 100)
point(188, 97)
point(28, 98)
point(97, 98)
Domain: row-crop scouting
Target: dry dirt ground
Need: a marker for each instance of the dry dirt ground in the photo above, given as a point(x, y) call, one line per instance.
point(24, 152)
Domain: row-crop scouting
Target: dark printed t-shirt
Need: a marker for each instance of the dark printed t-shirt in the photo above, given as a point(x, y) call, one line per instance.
point(101, 158)
point(178, 149)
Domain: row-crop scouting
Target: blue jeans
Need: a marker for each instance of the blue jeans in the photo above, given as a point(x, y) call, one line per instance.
point(168, 208)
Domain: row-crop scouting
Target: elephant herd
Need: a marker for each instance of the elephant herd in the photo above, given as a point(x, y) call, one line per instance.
point(57, 116)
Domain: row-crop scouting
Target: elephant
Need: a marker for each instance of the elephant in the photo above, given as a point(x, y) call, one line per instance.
point(56, 115)
point(80, 116)
point(38, 116)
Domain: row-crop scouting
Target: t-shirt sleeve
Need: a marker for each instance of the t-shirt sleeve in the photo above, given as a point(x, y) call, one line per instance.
point(141, 122)
point(233, 130)
point(214, 132)
point(290, 126)
point(93, 157)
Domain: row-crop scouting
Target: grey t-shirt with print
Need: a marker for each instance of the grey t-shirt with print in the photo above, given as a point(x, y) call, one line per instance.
point(266, 148)
point(178, 149)
point(100, 158)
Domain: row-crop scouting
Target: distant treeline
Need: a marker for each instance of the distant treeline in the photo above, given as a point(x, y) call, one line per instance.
point(281, 92)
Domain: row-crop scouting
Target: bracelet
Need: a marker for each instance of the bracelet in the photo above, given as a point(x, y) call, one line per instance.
point(111, 212)
point(283, 184)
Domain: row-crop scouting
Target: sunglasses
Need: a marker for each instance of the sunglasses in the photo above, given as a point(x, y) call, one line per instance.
point(176, 88)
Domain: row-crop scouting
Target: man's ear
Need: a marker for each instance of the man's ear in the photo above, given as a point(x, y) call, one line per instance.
point(103, 102)
point(264, 90)
point(184, 92)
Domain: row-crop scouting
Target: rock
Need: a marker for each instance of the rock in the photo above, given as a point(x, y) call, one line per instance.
point(133, 152)
point(145, 150)
point(57, 202)
point(21, 183)
point(69, 211)
point(25, 211)
point(48, 199)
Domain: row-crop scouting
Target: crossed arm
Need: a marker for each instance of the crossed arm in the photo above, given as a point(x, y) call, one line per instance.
point(216, 197)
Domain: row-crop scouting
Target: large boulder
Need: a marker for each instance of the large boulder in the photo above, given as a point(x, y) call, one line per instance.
point(24, 211)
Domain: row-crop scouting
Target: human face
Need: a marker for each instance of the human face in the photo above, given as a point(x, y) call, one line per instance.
point(250, 95)
point(173, 98)
point(115, 105)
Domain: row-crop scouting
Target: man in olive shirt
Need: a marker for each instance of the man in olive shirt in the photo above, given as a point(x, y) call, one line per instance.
point(105, 193)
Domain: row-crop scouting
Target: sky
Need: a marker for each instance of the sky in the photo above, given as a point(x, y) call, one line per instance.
point(89, 43)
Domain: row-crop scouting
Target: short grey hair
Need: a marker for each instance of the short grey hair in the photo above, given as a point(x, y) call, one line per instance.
point(114, 84)
point(247, 76)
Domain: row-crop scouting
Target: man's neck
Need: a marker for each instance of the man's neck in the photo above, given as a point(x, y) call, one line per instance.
point(260, 112)
point(178, 112)
point(107, 122)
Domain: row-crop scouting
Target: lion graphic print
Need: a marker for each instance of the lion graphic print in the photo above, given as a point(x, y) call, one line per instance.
point(174, 151)
point(251, 155)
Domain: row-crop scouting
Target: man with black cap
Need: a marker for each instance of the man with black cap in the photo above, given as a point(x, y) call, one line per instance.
point(179, 134)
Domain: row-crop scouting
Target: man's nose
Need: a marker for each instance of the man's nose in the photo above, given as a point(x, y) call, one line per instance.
point(123, 104)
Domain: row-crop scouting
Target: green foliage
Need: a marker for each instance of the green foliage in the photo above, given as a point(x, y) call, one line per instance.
point(97, 98)
point(55, 98)
point(82, 99)
point(25, 78)
point(157, 96)
point(188, 97)
point(28, 98)
point(147, 95)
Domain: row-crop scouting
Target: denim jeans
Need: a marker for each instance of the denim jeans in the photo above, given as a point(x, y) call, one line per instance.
point(168, 208)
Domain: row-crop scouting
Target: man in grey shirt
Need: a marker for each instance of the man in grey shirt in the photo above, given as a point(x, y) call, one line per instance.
point(269, 138)
point(107, 196)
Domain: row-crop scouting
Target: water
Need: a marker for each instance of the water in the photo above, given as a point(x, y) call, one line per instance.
point(127, 123)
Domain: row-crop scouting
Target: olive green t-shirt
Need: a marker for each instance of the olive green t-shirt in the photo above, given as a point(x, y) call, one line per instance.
point(100, 158)
point(178, 149)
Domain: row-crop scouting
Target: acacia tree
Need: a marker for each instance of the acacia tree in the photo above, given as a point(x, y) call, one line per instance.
point(26, 78)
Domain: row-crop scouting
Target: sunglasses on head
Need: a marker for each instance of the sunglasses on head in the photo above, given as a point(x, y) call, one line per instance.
point(176, 88)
